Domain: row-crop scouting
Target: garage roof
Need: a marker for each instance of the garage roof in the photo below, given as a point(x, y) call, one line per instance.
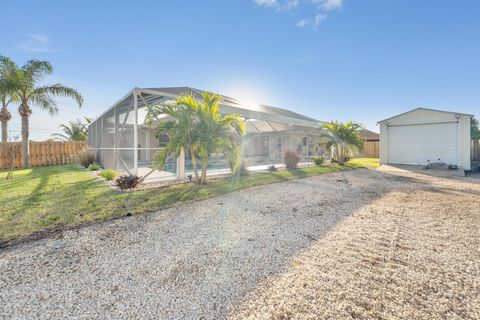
point(428, 109)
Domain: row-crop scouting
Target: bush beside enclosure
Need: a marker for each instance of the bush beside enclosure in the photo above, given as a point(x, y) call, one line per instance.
point(291, 159)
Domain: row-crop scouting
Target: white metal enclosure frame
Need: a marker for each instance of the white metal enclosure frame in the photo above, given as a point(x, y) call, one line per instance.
point(122, 140)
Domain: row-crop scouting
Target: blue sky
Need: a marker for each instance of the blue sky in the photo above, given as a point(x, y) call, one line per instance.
point(361, 60)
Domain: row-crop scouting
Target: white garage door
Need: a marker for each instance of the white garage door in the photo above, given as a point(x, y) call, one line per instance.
point(416, 144)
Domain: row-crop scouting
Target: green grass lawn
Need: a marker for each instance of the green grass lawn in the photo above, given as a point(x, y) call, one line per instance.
point(47, 197)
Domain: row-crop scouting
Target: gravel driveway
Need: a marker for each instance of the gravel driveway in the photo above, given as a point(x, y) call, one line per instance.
point(358, 244)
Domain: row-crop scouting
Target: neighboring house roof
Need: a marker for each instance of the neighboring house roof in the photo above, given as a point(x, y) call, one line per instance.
point(428, 109)
point(368, 135)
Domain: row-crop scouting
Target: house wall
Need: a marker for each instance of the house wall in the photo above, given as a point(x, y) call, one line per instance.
point(290, 141)
point(430, 116)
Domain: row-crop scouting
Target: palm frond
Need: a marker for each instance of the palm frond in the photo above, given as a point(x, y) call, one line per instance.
point(59, 90)
point(36, 70)
point(46, 103)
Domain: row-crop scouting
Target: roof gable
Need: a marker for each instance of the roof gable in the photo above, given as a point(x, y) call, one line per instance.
point(425, 109)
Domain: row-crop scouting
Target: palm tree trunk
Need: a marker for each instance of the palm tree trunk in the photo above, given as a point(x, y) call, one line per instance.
point(194, 165)
point(4, 131)
point(25, 134)
point(5, 116)
point(204, 171)
point(25, 113)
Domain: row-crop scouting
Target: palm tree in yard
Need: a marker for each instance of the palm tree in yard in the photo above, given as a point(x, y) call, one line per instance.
point(30, 92)
point(180, 129)
point(7, 96)
point(217, 133)
point(73, 131)
point(344, 138)
point(198, 126)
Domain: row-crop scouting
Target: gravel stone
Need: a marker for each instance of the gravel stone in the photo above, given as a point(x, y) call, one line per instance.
point(377, 245)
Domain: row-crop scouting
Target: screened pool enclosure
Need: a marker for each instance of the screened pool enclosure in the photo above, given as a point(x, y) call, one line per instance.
point(122, 140)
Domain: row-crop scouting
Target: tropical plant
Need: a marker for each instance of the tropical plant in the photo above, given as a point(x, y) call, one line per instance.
point(93, 167)
point(181, 131)
point(108, 174)
point(30, 92)
point(318, 160)
point(7, 93)
point(86, 158)
point(474, 129)
point(73, 131)
point(291, 159)
point(127, 181)
point(343, 138)
point(198, 126)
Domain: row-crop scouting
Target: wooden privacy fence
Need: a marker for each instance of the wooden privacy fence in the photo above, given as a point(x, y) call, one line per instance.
point(371, 149)
point(475, 150)
point(42, 153)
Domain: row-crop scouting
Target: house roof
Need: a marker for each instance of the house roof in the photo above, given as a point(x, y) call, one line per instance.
point(368, 135)
point(241, 104)
point(427, 109)
point(229, 105)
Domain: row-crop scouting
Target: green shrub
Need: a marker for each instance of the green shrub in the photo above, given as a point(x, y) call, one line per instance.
point(109, 174)
point(291, 159)
point(93, 167)
point(318, 160)
point(127, 181)
point(86, 158)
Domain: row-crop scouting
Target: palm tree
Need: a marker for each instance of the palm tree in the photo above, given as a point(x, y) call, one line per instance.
point(344, 138)
point(198, 126)
point(7, 89)
point(29, 92)
point(181, 131)
point(217, 133)
point(73, 131)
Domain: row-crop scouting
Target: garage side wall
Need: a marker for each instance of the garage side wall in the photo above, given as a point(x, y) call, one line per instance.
point(383, 143)
point(464, 142)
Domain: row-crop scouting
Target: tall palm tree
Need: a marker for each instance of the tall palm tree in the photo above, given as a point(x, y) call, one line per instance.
point(30, 92)
point(344, 138)
point(181, 129)
point(73, 131)
point(197, 126)
point(7, 90)
point(217, 133)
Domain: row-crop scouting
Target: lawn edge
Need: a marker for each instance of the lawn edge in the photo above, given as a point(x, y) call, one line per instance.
point(52, 232)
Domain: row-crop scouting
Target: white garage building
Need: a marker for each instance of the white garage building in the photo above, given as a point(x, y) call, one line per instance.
point(426, 135)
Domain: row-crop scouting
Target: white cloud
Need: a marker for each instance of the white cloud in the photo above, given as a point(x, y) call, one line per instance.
point(279, 5)
point(289, 5)
point(318, 19)
point(267, 3)
point(36, 43)
point(315, 22)
point(328, 4)
point(332, 4)
point(320, 9)
point(302, 23)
